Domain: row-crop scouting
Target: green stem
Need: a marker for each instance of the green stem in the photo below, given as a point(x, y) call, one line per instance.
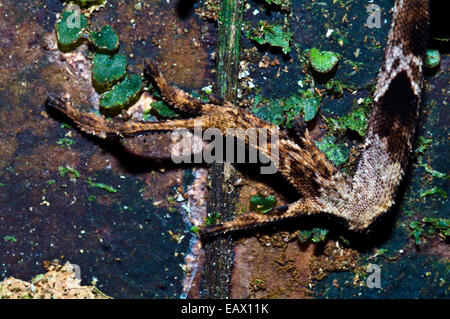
point(219, 252)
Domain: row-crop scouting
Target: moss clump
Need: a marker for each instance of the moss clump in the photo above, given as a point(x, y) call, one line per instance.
point(282, 112)
point(316, 235)
point(105, 187)
point(163, 109)
point(271, 112)
point(212, 218)
point(10, 238)
point(357, 121)
point(432, 59)
point(261, 204)
point(63, 170)
point(104, 40)
point(322, 62)
point(69, 30)
point(434, 191)
point(307, 103)
point(338, 154)
point(440, 225)
point(106, 69)
point(121, 94)
point(274, 35)
point(428, 227)
point(336, 88)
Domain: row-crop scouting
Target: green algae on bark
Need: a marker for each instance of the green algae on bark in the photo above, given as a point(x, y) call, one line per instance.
point(336, 153)
point(357, 121)
point(434, 191)
point(103, 186)
point(282, 112)
point(316, 235)
point(163, 109)
point(106, 39)
point(429, 227)
point(69, 29)
point(275, 35)
point(322, 62)
point(107, 70)
point(219, 252)
point(261, 204)
point(432, 59)
point(121, 94)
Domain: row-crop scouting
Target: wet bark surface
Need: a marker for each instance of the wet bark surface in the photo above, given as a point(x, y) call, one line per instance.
point(133, 241)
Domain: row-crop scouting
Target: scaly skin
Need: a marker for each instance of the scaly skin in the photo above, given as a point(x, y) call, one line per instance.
point(324, 188)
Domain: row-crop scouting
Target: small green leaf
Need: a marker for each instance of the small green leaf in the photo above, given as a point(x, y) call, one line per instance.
point(105, 40)
point(121, 94)
point(262, 204)
point(357, 121)
point(308, 104)
point(63, 170)
point(106, 69)
point(273, 34)
point(212, 218)
point(304, 235)
point(322, 61)
point(105, 187)
point(432, 171)
point(433, 191)
point(271, 112)
point(163, 109)
point(432, 59)
point(316, 235)
point(319, 234)
point(423, 144)
point(338, 154)
point(194, 229)
point(65, 142)
point(69, 29)
point(10, 238)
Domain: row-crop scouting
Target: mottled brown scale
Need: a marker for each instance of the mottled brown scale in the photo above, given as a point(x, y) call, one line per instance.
point(324, 188)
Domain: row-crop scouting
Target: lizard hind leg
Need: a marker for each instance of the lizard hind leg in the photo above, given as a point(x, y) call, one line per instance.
point(172, 95)
point(304, 206)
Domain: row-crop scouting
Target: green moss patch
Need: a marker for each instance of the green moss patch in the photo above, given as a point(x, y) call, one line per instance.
point(69, 29)
point(271, 112)
point(433, 191)
point(261, 204)
point(282, 112)
point(106, 69)
point(274, 35)
point(104, 40)
point(163, 109)
point(105, 187)
point(307, 104)
point(336, 153)
point(432, 59)
point(357, 121)
point(316, 235)
point(121, 94)
point(322, 61)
